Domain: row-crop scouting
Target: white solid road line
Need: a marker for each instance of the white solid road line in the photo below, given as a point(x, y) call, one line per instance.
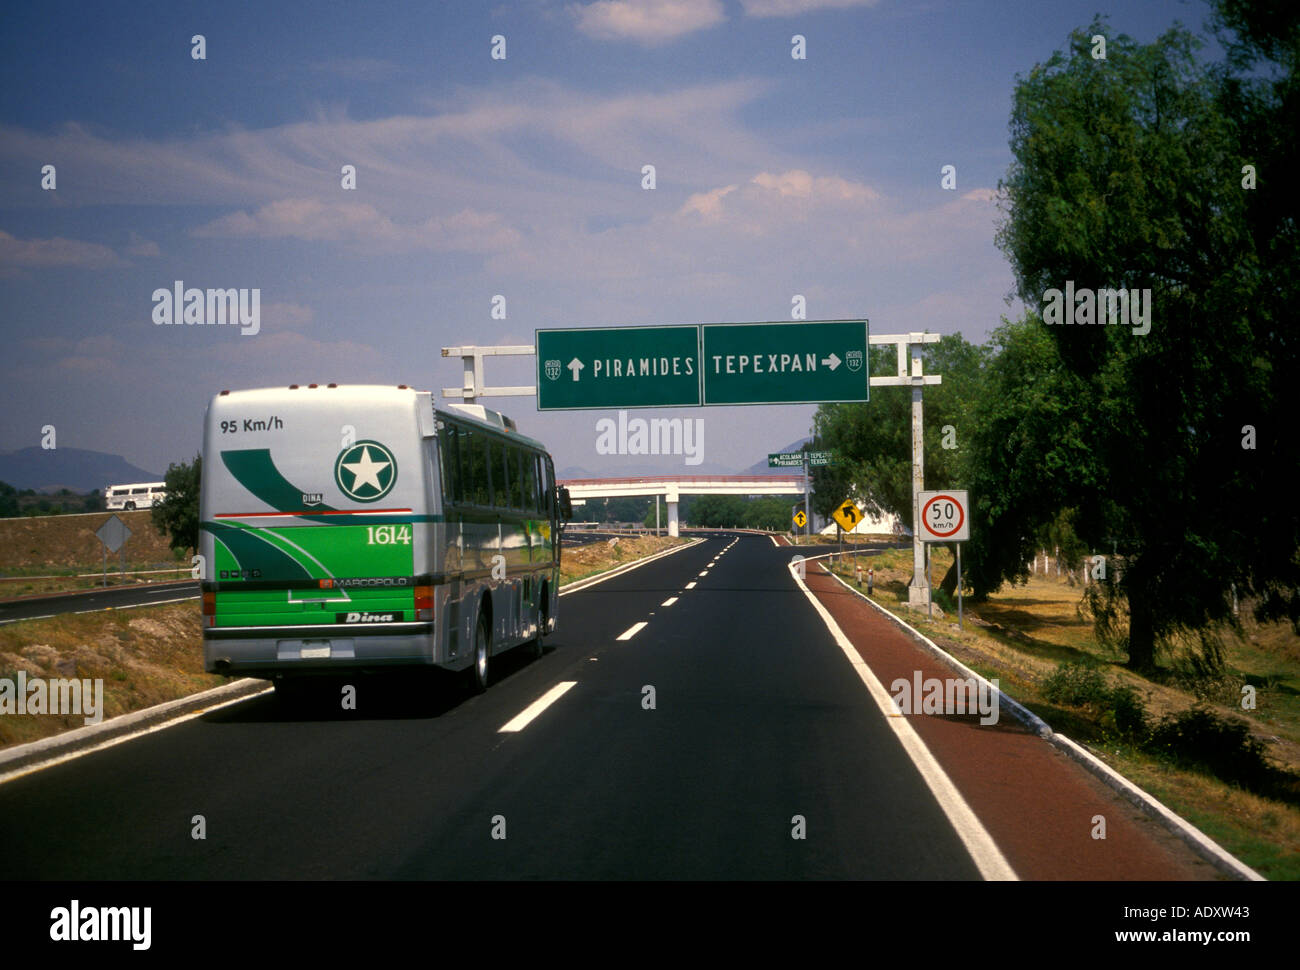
point(526, 716)
point(984, 852)
point(102, 609)
point(669, 601)
point(632, 631)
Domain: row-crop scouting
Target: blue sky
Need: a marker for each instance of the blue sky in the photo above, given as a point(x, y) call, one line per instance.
point(478, 177)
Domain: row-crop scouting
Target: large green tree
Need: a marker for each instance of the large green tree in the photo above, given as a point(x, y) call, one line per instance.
point(1127, 172)
point(1031, 463)
point(177, 516)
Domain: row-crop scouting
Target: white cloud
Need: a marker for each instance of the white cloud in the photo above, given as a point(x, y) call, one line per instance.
point(57, 251)
point(788, 8)
point(800, 184)
point(981, 195)
point(516, 149)
point(363, 224)
point(141, 247)
point(646, 21)
point(708, 204)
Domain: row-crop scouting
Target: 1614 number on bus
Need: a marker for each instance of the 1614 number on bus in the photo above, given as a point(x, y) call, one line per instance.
point(388, 535)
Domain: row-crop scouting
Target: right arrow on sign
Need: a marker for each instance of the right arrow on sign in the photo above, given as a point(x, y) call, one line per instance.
point(831, 362)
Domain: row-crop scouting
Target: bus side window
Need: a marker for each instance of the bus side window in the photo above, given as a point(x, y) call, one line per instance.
point(449, 461)
point(528, 464)
point(492, 476)
point(473, 468)
point(517, 479)
point(539, 475)
point(504, 484)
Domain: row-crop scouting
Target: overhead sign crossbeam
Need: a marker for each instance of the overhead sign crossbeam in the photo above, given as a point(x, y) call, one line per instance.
point(800, 362)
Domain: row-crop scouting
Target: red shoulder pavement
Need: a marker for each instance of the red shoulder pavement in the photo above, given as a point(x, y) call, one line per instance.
point(1036, 803)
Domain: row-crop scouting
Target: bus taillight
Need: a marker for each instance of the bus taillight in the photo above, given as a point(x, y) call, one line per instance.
point(209, 609)
point(424, 602)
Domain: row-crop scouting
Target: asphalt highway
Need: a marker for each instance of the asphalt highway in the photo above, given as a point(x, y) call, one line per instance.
point(759, 733)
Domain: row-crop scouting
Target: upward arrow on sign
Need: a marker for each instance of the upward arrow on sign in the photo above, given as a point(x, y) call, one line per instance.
point(576, 366)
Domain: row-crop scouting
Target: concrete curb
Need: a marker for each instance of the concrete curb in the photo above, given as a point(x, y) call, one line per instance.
point(1200, 843)
point(1195, 839)
point(47, 749)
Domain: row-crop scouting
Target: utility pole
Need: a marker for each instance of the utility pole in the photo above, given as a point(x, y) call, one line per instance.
point(806, 487)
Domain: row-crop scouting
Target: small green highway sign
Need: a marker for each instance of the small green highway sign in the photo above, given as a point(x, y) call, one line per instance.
point(794, 362)
point(794, 459)
point(618, 367)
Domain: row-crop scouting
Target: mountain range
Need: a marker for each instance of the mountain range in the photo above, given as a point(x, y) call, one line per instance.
point(77, 469)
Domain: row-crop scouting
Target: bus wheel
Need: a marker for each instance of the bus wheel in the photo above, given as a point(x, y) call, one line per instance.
point(128, 507)
point(538, 646)
point(479, 672)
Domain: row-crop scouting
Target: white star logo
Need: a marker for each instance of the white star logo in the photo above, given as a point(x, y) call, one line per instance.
point(366, 471)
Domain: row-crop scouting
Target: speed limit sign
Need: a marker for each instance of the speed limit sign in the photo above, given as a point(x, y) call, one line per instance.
point(945, 516)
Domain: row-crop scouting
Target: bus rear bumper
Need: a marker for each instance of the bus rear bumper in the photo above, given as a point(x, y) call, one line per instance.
point(286, 651)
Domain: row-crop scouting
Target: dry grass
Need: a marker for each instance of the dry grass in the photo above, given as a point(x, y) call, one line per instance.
point(64, 545)
point(143, 656)
point(580, 562)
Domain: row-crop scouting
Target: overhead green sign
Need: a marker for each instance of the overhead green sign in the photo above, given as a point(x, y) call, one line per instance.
point(812, 362)
point(798, 362)
point(618, 367)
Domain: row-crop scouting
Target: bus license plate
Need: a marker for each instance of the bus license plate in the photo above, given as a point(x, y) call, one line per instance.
point(315, 653)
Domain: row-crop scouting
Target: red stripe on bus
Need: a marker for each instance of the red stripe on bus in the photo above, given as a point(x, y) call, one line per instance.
point(250, 515)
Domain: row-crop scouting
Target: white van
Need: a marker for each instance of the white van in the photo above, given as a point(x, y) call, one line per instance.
point(141, 495)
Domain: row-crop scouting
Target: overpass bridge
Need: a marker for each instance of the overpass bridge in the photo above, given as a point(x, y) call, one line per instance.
point(672, 487)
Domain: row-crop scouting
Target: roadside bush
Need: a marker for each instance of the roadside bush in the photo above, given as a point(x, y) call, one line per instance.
point(1127, 714)
point(1198, 738)
point(1076, 685)
point(1120, 710)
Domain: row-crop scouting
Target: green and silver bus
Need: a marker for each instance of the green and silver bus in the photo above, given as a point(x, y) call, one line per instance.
point(360, 528)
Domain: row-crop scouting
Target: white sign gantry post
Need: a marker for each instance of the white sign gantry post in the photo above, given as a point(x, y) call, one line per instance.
point(472, 357)
point(918, 590)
